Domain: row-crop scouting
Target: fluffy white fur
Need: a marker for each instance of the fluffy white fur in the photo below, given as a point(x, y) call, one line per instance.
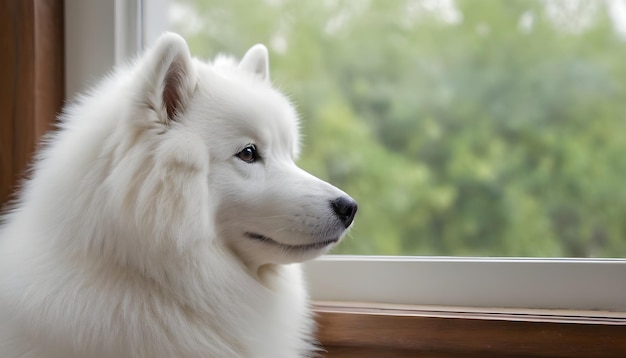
point(143, 231)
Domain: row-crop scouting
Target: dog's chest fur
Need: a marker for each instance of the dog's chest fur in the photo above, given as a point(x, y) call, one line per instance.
point(80, 319)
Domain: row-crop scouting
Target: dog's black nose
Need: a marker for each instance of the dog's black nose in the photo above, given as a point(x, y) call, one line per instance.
point(345, 208)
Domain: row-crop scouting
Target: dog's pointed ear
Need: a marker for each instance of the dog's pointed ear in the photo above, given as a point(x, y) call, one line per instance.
point(256, 61)
point(169, 77)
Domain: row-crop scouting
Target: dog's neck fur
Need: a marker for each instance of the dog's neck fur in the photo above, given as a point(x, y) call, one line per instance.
point(227, 324)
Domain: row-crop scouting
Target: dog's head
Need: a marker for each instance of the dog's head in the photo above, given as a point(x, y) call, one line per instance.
point(225, 122)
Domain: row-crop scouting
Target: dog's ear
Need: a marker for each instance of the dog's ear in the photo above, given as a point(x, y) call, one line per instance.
point(256, 61)
point(169, 77)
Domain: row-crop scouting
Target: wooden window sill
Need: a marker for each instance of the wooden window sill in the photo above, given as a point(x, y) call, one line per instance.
point(365, 330)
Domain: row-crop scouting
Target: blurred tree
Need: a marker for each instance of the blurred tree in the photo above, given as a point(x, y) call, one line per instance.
point(491, 128)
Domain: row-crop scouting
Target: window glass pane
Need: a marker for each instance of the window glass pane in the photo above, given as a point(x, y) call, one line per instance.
point(473, 128)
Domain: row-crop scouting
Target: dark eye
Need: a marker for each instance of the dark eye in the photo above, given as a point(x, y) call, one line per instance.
point(248, 154)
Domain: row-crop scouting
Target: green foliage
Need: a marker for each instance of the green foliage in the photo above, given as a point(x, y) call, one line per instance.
point(498, 131)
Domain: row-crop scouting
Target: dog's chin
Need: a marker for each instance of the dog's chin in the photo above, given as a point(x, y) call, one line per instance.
point(315, 245)
point(271, 250)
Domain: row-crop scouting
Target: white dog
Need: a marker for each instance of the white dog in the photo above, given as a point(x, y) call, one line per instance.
point(166, 218)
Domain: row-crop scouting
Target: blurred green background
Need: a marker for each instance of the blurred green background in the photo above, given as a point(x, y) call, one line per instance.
point(463, 128)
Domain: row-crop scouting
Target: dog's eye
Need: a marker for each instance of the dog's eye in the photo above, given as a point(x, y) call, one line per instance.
point(248, 154)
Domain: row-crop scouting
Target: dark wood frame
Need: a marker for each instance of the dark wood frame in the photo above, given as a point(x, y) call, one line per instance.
point(32, 86)
point(347, 331)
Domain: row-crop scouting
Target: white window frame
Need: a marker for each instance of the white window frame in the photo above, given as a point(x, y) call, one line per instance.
point(102, 34)
point(533, 283)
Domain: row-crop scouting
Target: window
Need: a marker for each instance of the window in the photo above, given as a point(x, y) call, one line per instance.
point(463, 128)
point(468, 158)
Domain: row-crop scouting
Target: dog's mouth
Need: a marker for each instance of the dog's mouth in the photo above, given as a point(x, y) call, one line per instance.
point(303, 247)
